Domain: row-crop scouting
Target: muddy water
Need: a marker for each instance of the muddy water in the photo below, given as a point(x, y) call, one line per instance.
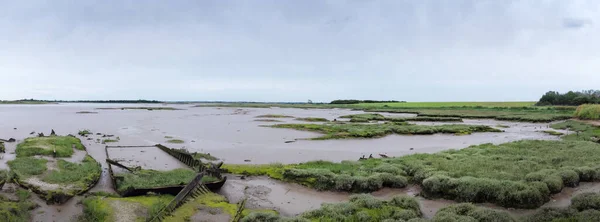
point(233, 135)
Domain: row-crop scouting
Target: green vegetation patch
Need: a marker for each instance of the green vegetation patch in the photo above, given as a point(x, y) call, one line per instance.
point(363, 118)
point(212, 202)
point(584, 207)
point(362, 207)
point(104, 209)
point(553, 133)
point(312, 119)
point(2, 147)
point(273, 116)
point(583, 131)
point(354, 130)
point(81, 175)
point(16, 211)
point(588, 112)
point(46, 146)
point(155, 179)
point(175, 141)
point(205, 156)
point(110, 141)
point(84, 132)
point(25, 167)
point(520, 174)
point(268, 120)
point(506, 114)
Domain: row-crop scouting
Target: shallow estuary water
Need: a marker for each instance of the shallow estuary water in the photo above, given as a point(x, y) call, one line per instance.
point(233, 135)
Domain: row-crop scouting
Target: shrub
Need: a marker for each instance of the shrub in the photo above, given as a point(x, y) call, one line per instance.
point(586, 201)
point(469, 212)
point(588, 111)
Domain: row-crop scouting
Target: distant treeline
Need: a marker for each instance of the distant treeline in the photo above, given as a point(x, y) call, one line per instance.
point(89, 101)
point(355, 101)
point(570, 98)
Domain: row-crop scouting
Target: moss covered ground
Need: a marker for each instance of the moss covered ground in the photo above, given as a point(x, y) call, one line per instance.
point(104, 209)
point(46, 145)
point(155, 179)
point(357, 130)
point(212, 202)
point(178, 141)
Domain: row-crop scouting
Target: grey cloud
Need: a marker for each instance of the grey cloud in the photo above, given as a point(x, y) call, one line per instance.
point(295, 50)
point(575, 23)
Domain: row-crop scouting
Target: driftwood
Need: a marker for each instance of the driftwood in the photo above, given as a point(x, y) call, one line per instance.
point(118, 164)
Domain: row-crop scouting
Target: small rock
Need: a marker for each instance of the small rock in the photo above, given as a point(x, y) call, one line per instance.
point(246, 160)
point(15, 128)
point(290, 141)
point(243, 177)
point(412, 148)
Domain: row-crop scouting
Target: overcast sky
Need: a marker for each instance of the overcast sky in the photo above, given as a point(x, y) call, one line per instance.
point(276, 50)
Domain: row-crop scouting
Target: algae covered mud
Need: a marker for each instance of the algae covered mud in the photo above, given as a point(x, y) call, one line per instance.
point(262, 136)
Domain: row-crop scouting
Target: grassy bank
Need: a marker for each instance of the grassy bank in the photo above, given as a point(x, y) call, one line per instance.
point(138, 108)
point(509, 111)
point(355, 130)
point(312, 119)
point(588, 112)
point(378, 117)
point(63, 145)
point(520, 174)
point(506, 114)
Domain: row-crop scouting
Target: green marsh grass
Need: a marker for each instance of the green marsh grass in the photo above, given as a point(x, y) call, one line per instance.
point(26, 167)
point(273, 116)
point(101, 209)
point(584, 207)
point(268, 120)
point(588, 112)
point(154, 178)
point(205, 156)
point(211, 201)
point(520, 174)
point(553, 133)
point(354, 130)
point(312, 119)
point(46, 145)
point(16, 211)
point(81, 175)
point(175, 141)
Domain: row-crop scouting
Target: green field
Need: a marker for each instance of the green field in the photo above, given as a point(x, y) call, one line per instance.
point(445, 104)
